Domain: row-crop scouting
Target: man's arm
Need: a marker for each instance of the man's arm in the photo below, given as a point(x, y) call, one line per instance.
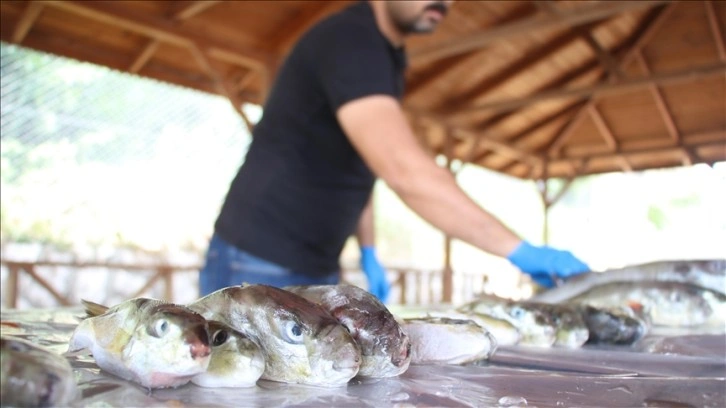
point(366, 227)
point(378, 129)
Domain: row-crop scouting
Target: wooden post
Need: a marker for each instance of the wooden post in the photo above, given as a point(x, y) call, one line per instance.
point(12, 287)
point(167, 274)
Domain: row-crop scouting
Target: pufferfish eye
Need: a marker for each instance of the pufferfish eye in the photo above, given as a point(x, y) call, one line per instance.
point(219, 337)
point(292, 332)
point(159, 328)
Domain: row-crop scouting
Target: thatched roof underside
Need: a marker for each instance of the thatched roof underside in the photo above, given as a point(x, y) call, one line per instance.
point(532, 89)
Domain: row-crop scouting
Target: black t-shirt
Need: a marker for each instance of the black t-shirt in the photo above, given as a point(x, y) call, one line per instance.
point(300, 192)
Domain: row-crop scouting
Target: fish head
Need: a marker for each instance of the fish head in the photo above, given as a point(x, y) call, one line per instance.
point(34, 376)
point(302, 342)
point(535, 325)
point(385, 347)
point(613, 325)
point(236, 359)
point(169, 345)
point(571, 330)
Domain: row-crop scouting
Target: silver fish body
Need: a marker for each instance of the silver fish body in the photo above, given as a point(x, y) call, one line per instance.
point(536, 327)
point(33, 376)
point(670, 304)
point(385, 347)
point(442, 340)
point(709, 274)
point(154, 343)
point(236, 360)
point(301, 341)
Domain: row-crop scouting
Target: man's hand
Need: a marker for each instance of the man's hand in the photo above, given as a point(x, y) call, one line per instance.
point(377, 283)
point(543, 263)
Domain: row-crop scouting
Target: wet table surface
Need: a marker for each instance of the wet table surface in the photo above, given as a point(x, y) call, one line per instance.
point(675, 369)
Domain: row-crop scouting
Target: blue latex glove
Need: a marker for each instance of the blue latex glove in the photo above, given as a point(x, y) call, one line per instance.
point(543, 263)
point(377, 283)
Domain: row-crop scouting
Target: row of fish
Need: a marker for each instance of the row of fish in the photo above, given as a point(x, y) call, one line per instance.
point(615, 307)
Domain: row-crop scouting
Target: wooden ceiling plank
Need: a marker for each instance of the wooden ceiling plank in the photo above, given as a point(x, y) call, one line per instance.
point(568, 110)
point(436, 71)
point(158, 29)
point(188, 9)
point(144, 56)
point(443, 67)
point(527, 61)
point(27, 19)
point(660, 102)
point(650, 27)
point(578, 16)
point(715, 30)
point(605, 89)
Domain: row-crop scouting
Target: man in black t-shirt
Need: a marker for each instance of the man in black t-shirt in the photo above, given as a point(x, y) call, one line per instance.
point(332, 124)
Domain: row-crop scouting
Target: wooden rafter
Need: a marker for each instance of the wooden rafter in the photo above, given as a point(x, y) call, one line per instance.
point(585, 33)
point(442, 68)
point(184, 10)
point(650, 26)
point(27, 19)
point(604, 89)
point(144, 56)
point(566, 111)
point(508, 73)
point(715, 30)
point(161, 30)
point(607, 134)
point(579, 16)
point(660, 102)
point(436, 71)
point(713, 137)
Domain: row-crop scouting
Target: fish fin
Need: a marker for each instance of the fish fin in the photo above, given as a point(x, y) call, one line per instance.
point(94, 309)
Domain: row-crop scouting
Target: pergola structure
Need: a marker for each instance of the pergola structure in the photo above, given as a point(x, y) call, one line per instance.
point(533, 89)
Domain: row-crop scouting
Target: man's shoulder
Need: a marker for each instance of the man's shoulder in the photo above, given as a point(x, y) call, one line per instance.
point(352, 20)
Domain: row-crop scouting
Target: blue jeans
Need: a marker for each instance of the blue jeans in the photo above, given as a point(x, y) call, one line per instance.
point(226, 265)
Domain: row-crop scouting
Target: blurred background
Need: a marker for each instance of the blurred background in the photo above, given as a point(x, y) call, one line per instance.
point(111, 184)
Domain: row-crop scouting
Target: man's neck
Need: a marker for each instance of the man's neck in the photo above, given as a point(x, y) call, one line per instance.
point(385, 24)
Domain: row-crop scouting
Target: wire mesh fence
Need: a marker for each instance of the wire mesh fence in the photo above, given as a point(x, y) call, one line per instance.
point(91, 156)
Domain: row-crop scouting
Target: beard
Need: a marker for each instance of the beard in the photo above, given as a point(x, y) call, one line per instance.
point(419, 24)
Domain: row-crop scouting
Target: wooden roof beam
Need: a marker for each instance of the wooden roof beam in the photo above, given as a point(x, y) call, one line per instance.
point(27, 19)
point(713, 137)
point(441, 68)
point(604, 89)
point(649, 28)
point(507, 73)
point(144, 56)
point(660, 103)
point(615, 155)
point(604, 129)
point(162, 30)
point(184, 10)
point(715, 30)
point(568, 110)
point(578, 16)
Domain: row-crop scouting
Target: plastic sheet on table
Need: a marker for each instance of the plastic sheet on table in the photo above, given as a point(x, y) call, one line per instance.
point(675, 370)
